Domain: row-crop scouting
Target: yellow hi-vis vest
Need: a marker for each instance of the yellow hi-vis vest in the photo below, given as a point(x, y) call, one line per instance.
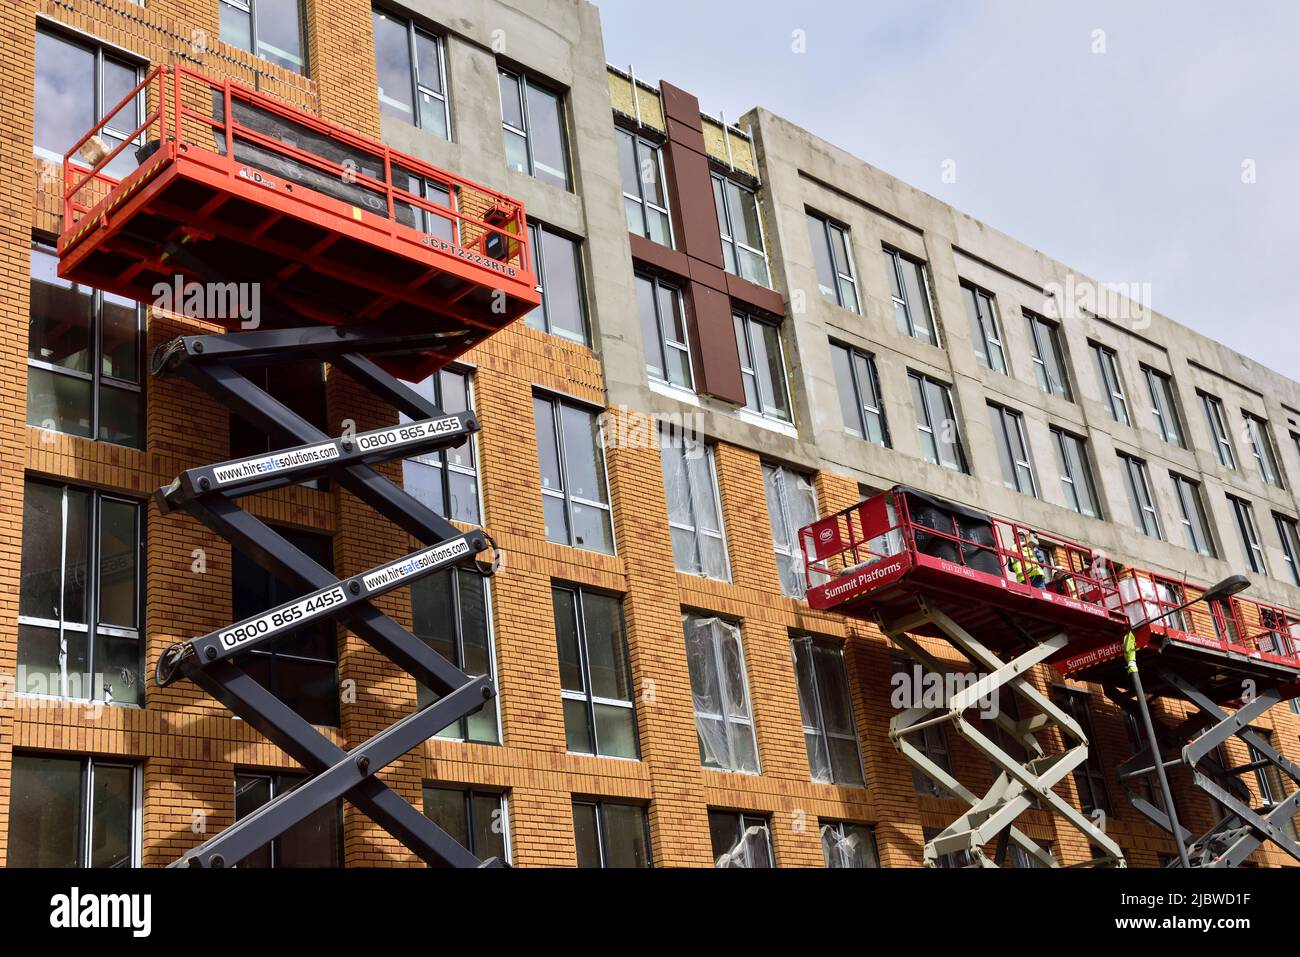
point(1029, 569)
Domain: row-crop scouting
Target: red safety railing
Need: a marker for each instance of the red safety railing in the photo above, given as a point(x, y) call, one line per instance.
point(197, 112)
point(884, 526)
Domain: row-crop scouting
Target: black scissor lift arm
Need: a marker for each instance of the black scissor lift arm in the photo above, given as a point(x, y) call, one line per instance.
point(210, 493)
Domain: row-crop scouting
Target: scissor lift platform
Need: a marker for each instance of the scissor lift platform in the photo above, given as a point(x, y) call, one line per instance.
point(922, 567)
point(335, 226)
point(376, 263)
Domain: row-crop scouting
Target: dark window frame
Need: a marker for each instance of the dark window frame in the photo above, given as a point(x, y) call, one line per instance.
point(250, 7)
point(92, 627)
point(577, 595)
point(418, 87)
point(85, 801)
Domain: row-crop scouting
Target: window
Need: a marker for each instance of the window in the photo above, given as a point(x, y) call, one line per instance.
point(450, 612)
point(663, 326)
point(79, 605)
point(1244, 512)
point(645, 193)
point(911, 293)
point(1273, 787)
point(1075, 466)
point(1289, 535)
point(1218, 423)
point(740, 840)
point(858, 384)
point(931, 741)
point(315, 841)
point(826, 708)
point(985, 337)
point(533, 120)
point(412, 74)
point(83, 358)
point(1090, 776)
point(1146, 519)
point(1013, 449)
point(1191, 506)
point(300, 387)
point(77, 85)
point(73, 812)
point(1112, 386)
point(1261, 446)
point(271, 29)
point(446, 480)
point(694, 510)
point(833, 257)
point(1170, 595)
point(762, 366)
point(791, 504)
point(609, 834)
point(476, 820)
point(575, 496)
point(848, 845)
point(936, 423)
point(742, 230)
point(1048, 356)
point(720, 693)
point(558, 261)
point(301, 666)
point(595, 674)
point(1163, 406)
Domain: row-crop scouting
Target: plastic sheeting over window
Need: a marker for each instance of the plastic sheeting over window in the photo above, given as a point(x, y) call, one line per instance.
point(694, 512)
point(720, 695)
point(754, 849)
point(849, 845)
point(791, 504)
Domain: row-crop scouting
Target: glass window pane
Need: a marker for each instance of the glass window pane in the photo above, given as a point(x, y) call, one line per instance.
point(564, 306)
point(647, 306)
point(279, 33)
point(251, 792)
point(121, 417)
point(628, 169)
point(516, 152)
point(591, 528)
point(548, 450)
point(236, 27)
point(393, 66)
point(45, 812)
point(428, 55)
point(625, 836)
point(577, 726)
point(615, 731)
point(918, 302)
point(606, 647)
point(844, 387)
point(446, 807)
point(489, 827)
point(546, 137)
point(511, 102)
point(118, 666)
point(586, 835)
point(60, 403)
point(584, 462)
point(112, 816)
point(557, 520)
point(118, 554)
point(312, 842)
point(566, 639)
point(42, 551)
point(65, 94)
point(61, 316)
point(826, 279)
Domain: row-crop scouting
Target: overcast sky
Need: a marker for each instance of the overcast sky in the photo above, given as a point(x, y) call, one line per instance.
point(1125, 164)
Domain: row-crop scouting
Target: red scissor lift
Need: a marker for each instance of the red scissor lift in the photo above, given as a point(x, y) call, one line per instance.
point(923, 568)
point(308, 244)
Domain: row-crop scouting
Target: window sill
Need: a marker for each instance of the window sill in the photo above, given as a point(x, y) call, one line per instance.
point(603, 757)
point(677, 392)
point(75, 702)
point(767, 422)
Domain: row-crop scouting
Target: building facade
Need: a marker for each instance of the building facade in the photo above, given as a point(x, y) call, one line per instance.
point(742, 327)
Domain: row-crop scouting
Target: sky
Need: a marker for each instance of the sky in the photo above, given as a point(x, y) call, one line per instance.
point(1138, 142)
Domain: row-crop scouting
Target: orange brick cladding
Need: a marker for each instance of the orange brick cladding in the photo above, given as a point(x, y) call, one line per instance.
point(189, 746)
